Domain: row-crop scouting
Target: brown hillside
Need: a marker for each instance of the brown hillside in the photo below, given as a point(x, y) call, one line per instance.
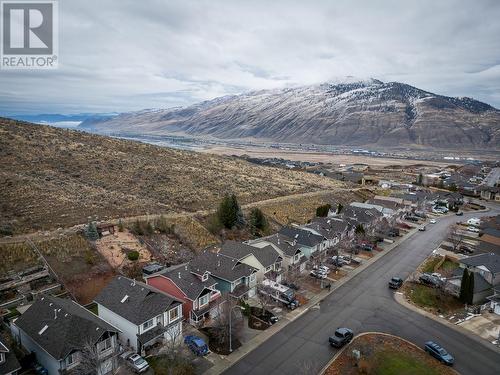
point(53, 178)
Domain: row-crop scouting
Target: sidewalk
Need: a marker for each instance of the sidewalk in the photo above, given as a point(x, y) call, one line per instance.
point(400, 298)
point(222, 363)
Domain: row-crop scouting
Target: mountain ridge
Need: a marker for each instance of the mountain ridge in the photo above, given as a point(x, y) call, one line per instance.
point(356, 113)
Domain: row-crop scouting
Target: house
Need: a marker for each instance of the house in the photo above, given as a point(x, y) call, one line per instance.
point(293, 258)
point(385, 211)
point(310, 244)
point(232, 276)
point(482, 289)
point(331, 228)
point(495, 301)
point(266, 260)
point(9, 365)
point(66, 338)
point(486, 270)
point(198, 293)
point(144, 315)
point(491, 236)
point(491, 193)
point(367, 217)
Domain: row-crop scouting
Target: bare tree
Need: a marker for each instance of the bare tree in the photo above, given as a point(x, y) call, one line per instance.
point(264, 299)
point(91, 356)
point(222, 321)
point(455, 237)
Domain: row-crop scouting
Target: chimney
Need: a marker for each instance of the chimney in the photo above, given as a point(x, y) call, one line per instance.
point(179, 275)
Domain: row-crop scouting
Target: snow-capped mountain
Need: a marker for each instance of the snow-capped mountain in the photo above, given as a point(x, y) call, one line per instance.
point(364, 112)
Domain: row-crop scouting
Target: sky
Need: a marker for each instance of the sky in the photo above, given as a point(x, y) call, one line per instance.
point(126, 55)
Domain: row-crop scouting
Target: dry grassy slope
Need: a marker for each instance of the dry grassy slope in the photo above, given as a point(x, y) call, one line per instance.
point(53, 177)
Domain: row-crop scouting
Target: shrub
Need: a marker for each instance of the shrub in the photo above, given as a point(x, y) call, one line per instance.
point(258, 221)
point(6, 230)
point(133, 255)
point(120, 226)
point(91, 232)
point(213, 224)
point(322, 211)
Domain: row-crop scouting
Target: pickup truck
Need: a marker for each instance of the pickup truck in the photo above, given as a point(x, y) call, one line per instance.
point(341, 337)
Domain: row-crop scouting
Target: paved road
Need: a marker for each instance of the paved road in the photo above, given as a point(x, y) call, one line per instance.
point(364, 303)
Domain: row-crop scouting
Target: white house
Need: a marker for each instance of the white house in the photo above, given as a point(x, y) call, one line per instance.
point(143, 314)
point(9, 364)
point(64, 335)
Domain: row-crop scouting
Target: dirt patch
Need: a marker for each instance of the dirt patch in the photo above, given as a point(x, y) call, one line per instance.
point(115, 248)
point(383, 354)
point(431, 299)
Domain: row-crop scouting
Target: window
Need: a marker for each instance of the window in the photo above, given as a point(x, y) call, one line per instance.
point(204, 300)
point(105, 344)
point(268, 269)
point(252, 277)
point(71, 359)
point(173, 314)
point(147, 325)
point(204, 277)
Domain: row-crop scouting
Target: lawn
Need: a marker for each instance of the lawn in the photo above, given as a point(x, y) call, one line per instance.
point(382, 354)
point(430, 264)
point(448, 265)
point(431, 298)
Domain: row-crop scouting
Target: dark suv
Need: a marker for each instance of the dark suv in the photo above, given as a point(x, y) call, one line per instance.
point(341, 337)
point(395, 283)
point(438, 352)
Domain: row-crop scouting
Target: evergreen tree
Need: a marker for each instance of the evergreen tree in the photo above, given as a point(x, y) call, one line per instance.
point(120, 226)
point(240, 219)
point(470, 287)
point(339, 208)
point(258, 221)
point(360, 230)
point(91, 231)
point(420, 179)
point(322, 211)
point(228, 211)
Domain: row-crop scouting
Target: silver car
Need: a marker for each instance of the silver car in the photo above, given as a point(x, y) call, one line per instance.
point(138, 363)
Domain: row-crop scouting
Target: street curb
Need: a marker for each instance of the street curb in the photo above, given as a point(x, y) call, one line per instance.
point(318, 299)
point(400, 298)
point(323, 370)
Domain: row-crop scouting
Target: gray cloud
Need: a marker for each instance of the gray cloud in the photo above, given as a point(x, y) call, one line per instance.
point(129, 55)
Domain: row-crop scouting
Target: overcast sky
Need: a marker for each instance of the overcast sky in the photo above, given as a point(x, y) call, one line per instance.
point(127, 55)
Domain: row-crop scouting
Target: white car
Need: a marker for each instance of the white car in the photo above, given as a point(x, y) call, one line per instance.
point(138, 363)
point(473, 229)
point(432, 221)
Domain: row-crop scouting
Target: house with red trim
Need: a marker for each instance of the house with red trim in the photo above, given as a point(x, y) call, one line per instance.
point(197, 290)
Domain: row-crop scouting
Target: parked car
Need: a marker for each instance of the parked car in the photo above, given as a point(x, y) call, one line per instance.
point(429, 279)
point(341, 337)
point(438, 352)
point(459, 213)
point(465, 250)
point(197, 345)
point(340, 261)
point(421, 228)
point(395, 282)
point(318, 274)
point(432, 221)
point(138, 363)
point(473, 229)
point(474, 222)
point(323, 269)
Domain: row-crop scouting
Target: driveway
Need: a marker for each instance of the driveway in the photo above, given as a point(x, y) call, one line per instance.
point(364, 304)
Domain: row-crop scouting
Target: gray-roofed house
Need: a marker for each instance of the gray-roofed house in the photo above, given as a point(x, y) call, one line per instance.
point(144, 315)
point(232, 276)
point(368, 217)
point(266, 260)
point(9, 365)
point(64, 335)
point(197, 291)
point(310, 244)
point(288, 248)
point(486, 271)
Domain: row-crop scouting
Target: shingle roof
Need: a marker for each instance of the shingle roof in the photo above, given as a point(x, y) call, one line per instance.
point(220, 266)
point(303, 237)
point(361, 215)
point(69, 325)
point(330, 226)
point(266, 255)
point(141, 302)
point(480, 284)
point(490, 260)
point(190, 284)
point(284, 243)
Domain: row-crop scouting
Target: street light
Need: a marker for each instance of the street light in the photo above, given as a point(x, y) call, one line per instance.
point(230, 338)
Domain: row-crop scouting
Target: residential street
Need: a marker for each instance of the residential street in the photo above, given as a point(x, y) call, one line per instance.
point(365, 303)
